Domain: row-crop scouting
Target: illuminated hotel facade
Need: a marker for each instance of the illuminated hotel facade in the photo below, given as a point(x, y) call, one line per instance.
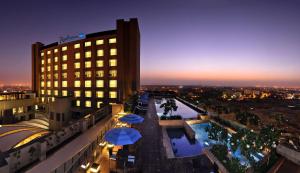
point(95, 69)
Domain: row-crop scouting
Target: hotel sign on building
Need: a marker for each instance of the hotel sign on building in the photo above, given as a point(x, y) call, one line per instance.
point(70, 38)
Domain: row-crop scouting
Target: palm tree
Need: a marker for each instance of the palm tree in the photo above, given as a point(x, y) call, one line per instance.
point(169, 106)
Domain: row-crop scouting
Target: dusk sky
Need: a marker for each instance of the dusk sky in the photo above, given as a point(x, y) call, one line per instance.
point(205, 42)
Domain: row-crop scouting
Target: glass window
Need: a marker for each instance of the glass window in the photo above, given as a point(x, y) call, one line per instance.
point(88, 74)
point(88, 64)
point(88, 94)
point(49, 68)
point(99, 83)
point(42, 69)
point(113, 83)
point(99, 42)
point(49, 92)
point(56, 67)
point(64, 48)
point(76, 46)
point(56, 59)
point(112, 94)
point(42, 61)
point(88, 43)
point(42, 84)
point(55, 83)
point(88, 54)
point(78, 103)
point(112, 40)
point(99, 63)
point(113, 52)
point(64, 75)
point(99, 73)
point(99, 104)
point(77, 83)
point(99, 94)
point(88, 83)
point(64, 93)
point(100, 52)
point(113, 73)
point(48, 52)
point(48, 60)
point(55, 50)
point(42, 76)
point(77, 65)
point(42, 53)
point(113, 62)
point(77, 74)
point(48, 76)
point(42, 91)
point(64, 66)
point(64, 83)
point(48, 83)
point(56, 92)
point(88, 104)
point(55, 76)
point(65, 57)
point(77, 55)
point(77, 93)
point(43, 99)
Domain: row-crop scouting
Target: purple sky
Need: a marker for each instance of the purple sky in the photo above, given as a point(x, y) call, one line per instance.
point(214, 42)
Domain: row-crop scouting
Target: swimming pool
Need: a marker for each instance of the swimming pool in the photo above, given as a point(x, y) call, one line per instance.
point(182, 146)
point(183, 110)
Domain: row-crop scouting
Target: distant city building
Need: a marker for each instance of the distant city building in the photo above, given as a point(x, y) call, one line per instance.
point(94, 69)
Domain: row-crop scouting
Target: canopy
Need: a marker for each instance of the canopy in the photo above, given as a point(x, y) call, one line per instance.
point(122, 136)
point(132, 119)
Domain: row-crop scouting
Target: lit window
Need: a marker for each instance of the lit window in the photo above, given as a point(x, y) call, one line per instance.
point(56, 92)
point(42, 69)
point(77, 74)
point(64, 93)
point(100, 52)
point(113, 62)
point(64, 75)
point(49, 92)
point(49, 60)
point(48, 76)
point(48, 83)
point(88, 94)
point(112, 94)
point(55, 76)
point(88, 74)
point(43, 99)
point(77, 93)
point(55, 50)
point(65, 57)
point(88, 64)
point(56, 59)
point(76, 46)
point(88, 104)
point(42, 61)
point(64, 66)
point(55, 83)
point(42, 76)
point(99, 104)
point(42, 84)
point(48, 68)
point(64, 48)
point(77, 83)
point(56, 67)
point(42, 53)
point(99, 83)
point(88, 83)
point(77, 55)
point(77, 65)
point(42, 91)
point(112, 40)
point(113, 52)
point(88, 54)
point(86, 44)
point(99, 63)
point(99, 94)
point(53, 99)
point(99, 42)
point(113, 83)
point(77, 103)
point(100, 73)
point(64, 83)
point(113, 73)
point(48, 52)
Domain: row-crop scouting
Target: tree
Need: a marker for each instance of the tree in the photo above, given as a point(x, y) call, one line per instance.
point(217, 133)
point(169, 106)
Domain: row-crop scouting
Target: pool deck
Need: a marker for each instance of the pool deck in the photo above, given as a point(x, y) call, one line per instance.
point(151, 155)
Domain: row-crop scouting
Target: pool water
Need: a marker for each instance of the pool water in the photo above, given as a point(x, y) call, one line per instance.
point(183, 110)
point(182, 146)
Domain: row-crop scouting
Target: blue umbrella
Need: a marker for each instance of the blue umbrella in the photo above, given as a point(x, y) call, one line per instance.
point(132, 119)
point(122, 136)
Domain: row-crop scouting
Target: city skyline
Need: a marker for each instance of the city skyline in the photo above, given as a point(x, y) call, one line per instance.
point(184, 43)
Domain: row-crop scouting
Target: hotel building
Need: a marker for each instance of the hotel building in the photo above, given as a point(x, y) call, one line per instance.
point(94, 69)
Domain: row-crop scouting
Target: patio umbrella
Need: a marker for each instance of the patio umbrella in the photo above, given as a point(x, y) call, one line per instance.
point(132, 119)
point(122, 136)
